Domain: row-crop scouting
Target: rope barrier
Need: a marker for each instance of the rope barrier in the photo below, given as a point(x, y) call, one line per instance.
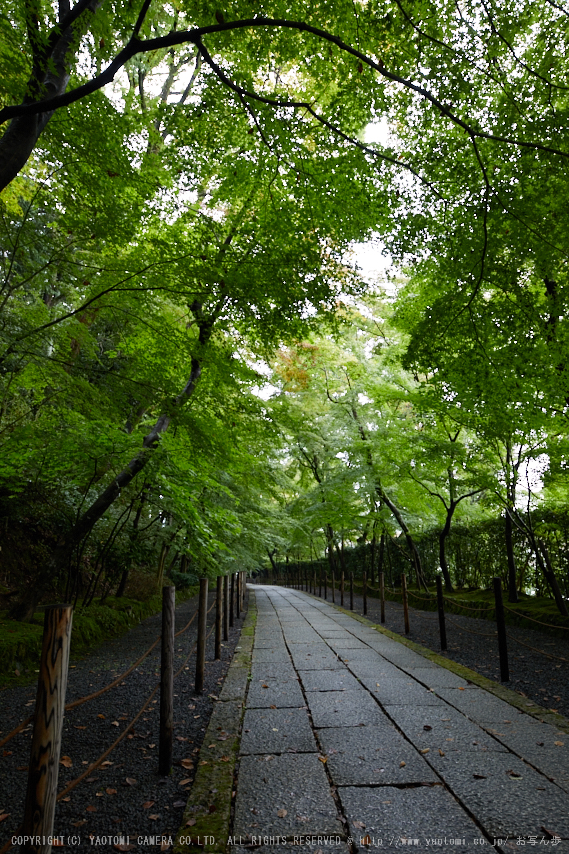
point(423, 598)
point(101, 691)
point(534, 649)
point(549, 625)
point(472, 632)
point(468, 607)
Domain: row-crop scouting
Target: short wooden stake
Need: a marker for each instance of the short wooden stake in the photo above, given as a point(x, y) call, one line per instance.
point(232, 600)
point(202, 626)
point(405, 603)
point(382, 595)
point(39, 810)
point(225, 607)
point(167, 681)
point(365, 592)
point(342, 589)
point(351, 591)
point(333, 588)
point(441, 610)
point(501, 627)
point(218, 616)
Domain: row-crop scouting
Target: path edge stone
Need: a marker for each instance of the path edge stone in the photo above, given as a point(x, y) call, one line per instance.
point(211, 811)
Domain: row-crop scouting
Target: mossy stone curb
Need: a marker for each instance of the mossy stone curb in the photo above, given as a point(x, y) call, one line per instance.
point(207, 816)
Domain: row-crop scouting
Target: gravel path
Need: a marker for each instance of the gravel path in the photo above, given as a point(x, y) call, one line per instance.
point(127, 796)
point(535, 676)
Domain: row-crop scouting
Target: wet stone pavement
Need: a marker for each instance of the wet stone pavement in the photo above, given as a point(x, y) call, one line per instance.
point(353, 742)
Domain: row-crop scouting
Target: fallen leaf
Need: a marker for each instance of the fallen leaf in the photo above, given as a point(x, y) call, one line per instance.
point(147, 804)
point(551, 834)
point(4, 816)
point(66, 761)
point(359, 824)
point(17, 672)
point(91, 808)
point(402, 764)
point(558, 743)
point(204, 762)
point(427, 728)
point(323, 759)
point(130, 781)
point(366, 840)
point(190, 822)
point(98, 794)
point(272, 707)
point(479, 777)
point(154, 817)
point(440, 752)
point(165, 845)
point(107, 764)
point(264, 686)
point(79, 823)
point(179, 804)
point(282, 813)
point(151, 746)
point(7, 753)
point(225, 759)
point(181, 738)
point(460, 688)
point(425, 750)
point(67, 799)
point(101, 716)
point(111, 791)
point(57, 843)
point(187, 764)
point(80, 727)
point(186, 781)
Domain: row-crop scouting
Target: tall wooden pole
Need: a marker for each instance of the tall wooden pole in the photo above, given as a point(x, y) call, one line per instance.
point(405, 603)
point(225, 607)
point(167, 681)
point(218, 616)
point(39, 810)
point(382, 595)
point(342, 589)
point(365, 592)
point(202, 627)
point(238, 594)
point(351, 591)
point(333, 588)
point(232, 600)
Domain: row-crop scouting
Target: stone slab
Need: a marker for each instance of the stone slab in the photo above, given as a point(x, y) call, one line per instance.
point(395, 818)
point(235, 683)
point(295, 783)
point(436, 677)
point(507, 796)
point(279, 693)
point(441, 728)
point(263, 656)
point(372, 755)
point(272, 670)
point(315, 661)
point(276, 731)
point(343, 708)
point(400, 692)
point(479, 704)
point(349, 643)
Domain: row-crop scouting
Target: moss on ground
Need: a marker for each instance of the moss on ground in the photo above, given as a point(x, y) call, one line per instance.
point(20, 643)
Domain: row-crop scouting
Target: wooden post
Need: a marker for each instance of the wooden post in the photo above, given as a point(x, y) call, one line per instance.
point(225, 607)
point(351, 591)
point(382, 595)
point(365, 592)
point(243, 588)
point(218, 616)
point(501, 626)
point(167, 681)
point(441, 610)
point(320, 585)
point(232, 600)
point(202, 626)
point(238, 594)
point(405, 603)
point(326, 586)
point(342, 589)
point(333, 588)
point(39, 810)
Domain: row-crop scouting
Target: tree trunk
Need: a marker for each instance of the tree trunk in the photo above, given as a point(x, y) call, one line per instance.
point(512, 571)
point(415, 557)
point(544, 561)
point(442, 552)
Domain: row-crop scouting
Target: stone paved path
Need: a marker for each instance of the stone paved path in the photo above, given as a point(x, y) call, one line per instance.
point(353, 742)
